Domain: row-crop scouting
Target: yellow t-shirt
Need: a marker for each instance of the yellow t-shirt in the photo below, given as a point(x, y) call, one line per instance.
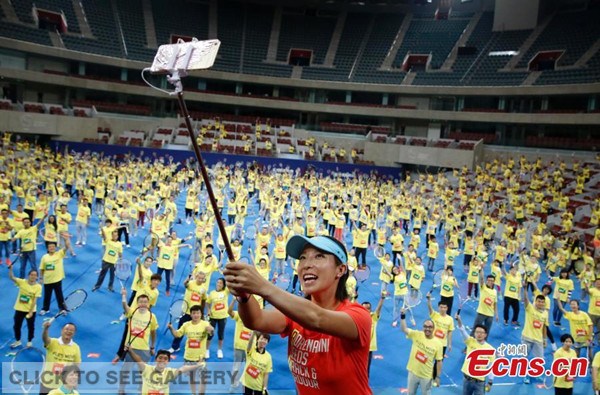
point(257, 365)
point(400, 284)
point(580, 326)
point(194, 294)
point(534, 324)
point(385, 274)
point(596, 364)
point(155, 382)
point(28, 238)
point(512, 288)
point(443, 325)
point(562, 288)
point(112, 251)
point(27, 295)
point(52, 267)
point(62, 221)
point(473, 345)
point(152, 295)
point(140, 325)
point(196, 334)
point(241, 335)
point(565, 381)
point(423, 352)
point(473, 276)
point(138, 283)
point(447, 288)
point(416, 276)
point(166, 257)
point(58, 355)
point(487, 300)
point(594, 307)
point(218, 301)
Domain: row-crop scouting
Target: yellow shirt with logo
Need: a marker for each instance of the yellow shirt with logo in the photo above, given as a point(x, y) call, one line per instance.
point(196, 334)
point(27, 295)
point(138, 283)
point(166, 257)
point(594, 307)
point(512, 288)
point(52, 267)
point(416, 276)
point(139, 327)
point(423, 352)
point(112, 251)
point(487, 300)
point(28, 238)
point(534, 324)
point(580, 324)
point(374, 321)
point(400, 284)
point(472, 345)
point(195, 294)
point(565, 381)
point(562, 288)
point(58, 355)
point(218, 301)
point(257, 365)
point(447, 288)
point(241, 335)
point(443, 325)
point(155, 382)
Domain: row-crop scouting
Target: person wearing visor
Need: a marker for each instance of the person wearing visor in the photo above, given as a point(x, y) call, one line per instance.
point(328, 336)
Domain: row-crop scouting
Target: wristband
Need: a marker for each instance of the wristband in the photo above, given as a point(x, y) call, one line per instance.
point(402, 316)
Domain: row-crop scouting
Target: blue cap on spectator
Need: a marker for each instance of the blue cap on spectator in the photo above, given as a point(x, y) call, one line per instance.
point(327, 244)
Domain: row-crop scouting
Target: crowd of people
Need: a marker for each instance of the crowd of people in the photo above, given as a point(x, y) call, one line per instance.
point(511, 225)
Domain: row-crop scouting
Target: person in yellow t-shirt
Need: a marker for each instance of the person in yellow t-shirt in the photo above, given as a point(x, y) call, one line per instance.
point(52, 272)
point(156, 379)
point(425, 350)
point(375, 315)
point(596, 373)
point(563, 385)
point(240, 343)
point(594, 306)
point(488, 303)
point(28, 237)
point(580, 325)
point(60, 353)
point(512, 292)
point(444, 326)
point(400, 291)
point(196, 331)
point(141, 334)
point(475, 385)
point(562, 292)
point(196, 291)
point(536, 324)
point(218, 302)
point(259, 365)
point(113, 250)
point(81, 221)
point(25, 305)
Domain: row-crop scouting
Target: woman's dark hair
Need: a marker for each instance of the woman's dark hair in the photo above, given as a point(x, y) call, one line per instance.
point(566, 336)
point(53, 223)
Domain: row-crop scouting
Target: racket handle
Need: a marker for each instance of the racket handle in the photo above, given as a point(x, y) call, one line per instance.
point(458, 311)
point(243, 298)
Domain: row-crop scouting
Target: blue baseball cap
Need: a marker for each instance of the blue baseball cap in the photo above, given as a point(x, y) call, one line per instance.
point(327, 244)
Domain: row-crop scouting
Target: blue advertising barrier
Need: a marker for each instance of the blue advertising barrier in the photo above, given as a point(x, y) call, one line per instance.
point(211, 158)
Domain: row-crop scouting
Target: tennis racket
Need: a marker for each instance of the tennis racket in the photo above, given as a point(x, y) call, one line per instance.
point(362, 273)
point(548, 382)
point(140, 328)
point(282, 280)
point(437, 280)
point(150, 242)
point(238, 232)
point(176, 311)
point(72, 302)
point(412, 299)
point(29, 362)
point(123, 271)
point(250, 233)
point(379, 252)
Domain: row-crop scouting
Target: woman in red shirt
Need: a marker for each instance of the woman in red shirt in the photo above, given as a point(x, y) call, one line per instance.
point(328, 336)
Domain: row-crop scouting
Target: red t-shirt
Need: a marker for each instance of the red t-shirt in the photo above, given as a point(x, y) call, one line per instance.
point(325, 364)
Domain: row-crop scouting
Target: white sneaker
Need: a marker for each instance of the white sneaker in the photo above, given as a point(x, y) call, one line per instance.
point(553, 345)
point(395, 324)
point(207, 354)
point(43, 312)
point(29, 344)
point(15, 344)
point(171, 350)
point(220, 354)
point(83, 243)
point(122, 317)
